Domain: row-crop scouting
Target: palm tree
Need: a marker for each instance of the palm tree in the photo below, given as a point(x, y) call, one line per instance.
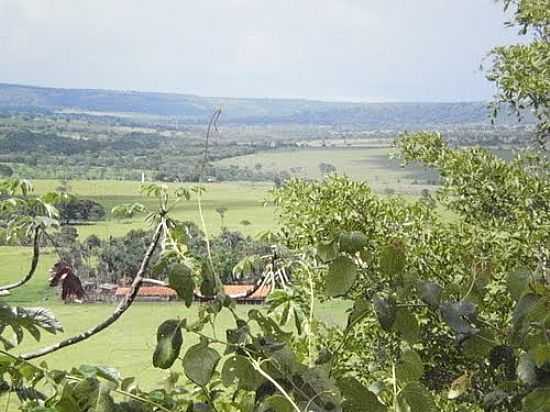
point(221, 211)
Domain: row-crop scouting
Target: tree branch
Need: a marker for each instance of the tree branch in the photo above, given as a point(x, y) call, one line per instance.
point(34, 263)
point(119, 311)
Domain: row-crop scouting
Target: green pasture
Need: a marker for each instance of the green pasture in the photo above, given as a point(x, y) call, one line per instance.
point(128, 346)
point(243, 200)
point(372, 164)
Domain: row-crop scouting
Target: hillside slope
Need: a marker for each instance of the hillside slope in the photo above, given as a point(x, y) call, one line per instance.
point(20, 98)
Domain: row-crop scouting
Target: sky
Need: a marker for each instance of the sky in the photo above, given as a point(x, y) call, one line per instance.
point(349, 50)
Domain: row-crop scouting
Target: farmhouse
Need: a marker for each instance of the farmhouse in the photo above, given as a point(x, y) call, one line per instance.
point(257, 297)
point(163, 293)
point(149, 293)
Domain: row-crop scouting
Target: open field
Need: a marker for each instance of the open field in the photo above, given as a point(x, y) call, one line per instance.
point(129, 345)
point(243, 200)
point(372, 164)
point(14, 264)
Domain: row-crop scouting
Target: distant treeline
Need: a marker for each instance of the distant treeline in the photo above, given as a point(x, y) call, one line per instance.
point(48, 155)
point(190, 108)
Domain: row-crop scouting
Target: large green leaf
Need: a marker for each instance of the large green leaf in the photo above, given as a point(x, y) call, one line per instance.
point(236, 336)
point(385, 311)
point(430, 293)
point(327, 251)
point(541, 355)
point(199, 363)
point(526, 304)
point(357, 398)
point(480, 344)
point(327, 394)
point(342, 273)
point(409, 368)
point(103, 401)
point(537, 401)
point(67, 402)
point(494, 399)
point(169, 341)
point(393, 258)
point(460, 316)
point(352, 242)
point(86, 395)
point(269, 326)
point(209, 286)
point(406, 324)
point(238, 370)
point(181, 280)
point(360, 308)
point(276, 403)
point(417, 397)
point(526, 370)
point(518, 282)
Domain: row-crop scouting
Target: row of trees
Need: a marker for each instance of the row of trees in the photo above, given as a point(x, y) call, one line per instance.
point(114, 259)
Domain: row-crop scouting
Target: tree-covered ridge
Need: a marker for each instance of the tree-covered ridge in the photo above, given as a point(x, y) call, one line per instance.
point(195, 109)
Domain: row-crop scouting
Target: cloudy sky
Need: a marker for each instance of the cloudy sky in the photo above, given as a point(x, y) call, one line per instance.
point(361, 50)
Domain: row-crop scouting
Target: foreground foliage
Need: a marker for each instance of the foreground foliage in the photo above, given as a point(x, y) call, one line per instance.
point(446, 315)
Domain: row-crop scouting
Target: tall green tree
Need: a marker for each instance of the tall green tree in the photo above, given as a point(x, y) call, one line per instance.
point(521, 72)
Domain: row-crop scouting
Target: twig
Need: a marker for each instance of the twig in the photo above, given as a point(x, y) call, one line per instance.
point(395, 392)
point(119, 311)
point(211, 124)
point(266, 375)
point(53, 242)
point(34, 263)
point(311, 308)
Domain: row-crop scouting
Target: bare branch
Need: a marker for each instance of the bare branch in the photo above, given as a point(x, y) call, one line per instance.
point(34, 263)
point(212, 124)
point(119, 311)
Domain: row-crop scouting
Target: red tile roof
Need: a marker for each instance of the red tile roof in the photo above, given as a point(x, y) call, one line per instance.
point(148, 291)
point(233, 290)
point(163, 291)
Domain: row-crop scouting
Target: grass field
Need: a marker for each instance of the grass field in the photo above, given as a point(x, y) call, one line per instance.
point(243, 200)
point(129, 345)
point(371, 164)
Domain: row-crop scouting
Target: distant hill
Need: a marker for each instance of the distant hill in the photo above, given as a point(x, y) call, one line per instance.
point(197, 109)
